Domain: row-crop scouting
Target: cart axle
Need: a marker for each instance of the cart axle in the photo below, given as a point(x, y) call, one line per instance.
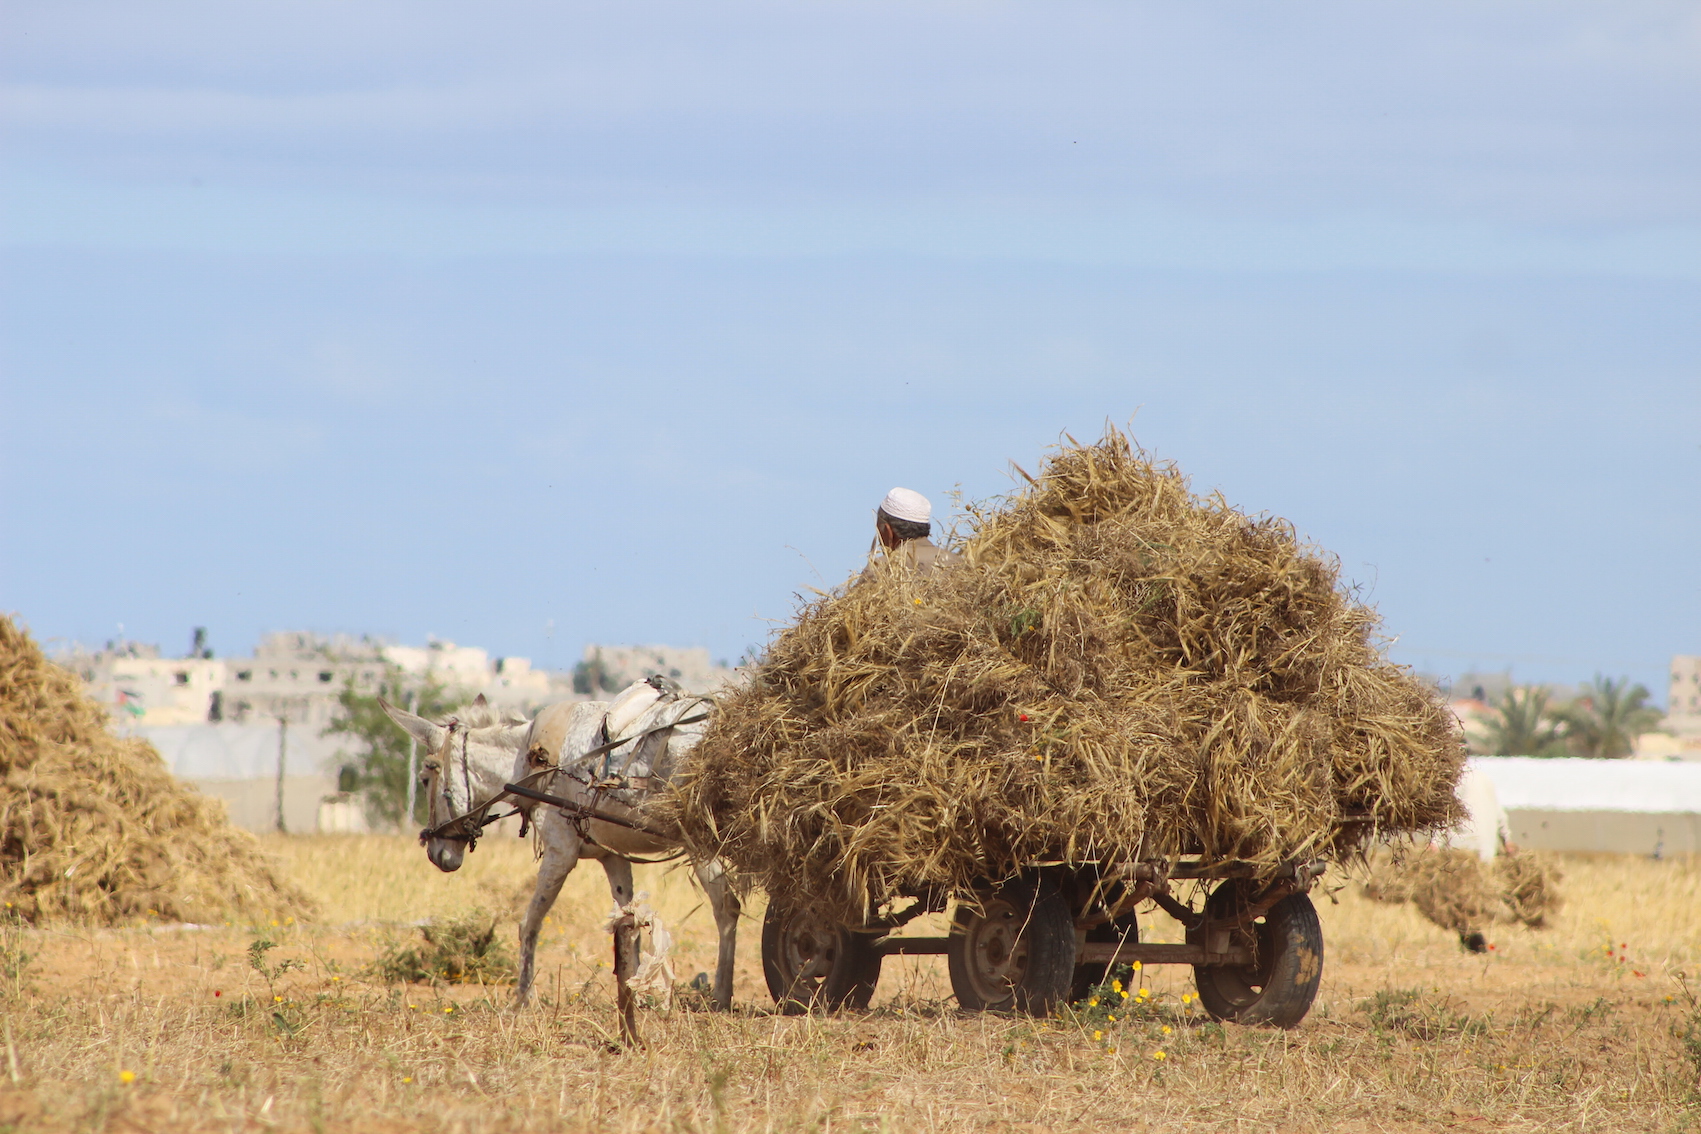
point(1093, 952)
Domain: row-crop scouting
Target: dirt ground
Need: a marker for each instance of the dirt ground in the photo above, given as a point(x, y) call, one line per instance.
point(1588, 1025)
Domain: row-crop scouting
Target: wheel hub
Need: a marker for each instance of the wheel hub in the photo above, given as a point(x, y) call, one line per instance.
point(810, 947)
point(996, 952)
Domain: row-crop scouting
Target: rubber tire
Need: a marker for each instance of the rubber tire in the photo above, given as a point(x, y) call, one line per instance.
point(1278, 989)
point(1092, 974)
point(852, 972)
point(1046, 930)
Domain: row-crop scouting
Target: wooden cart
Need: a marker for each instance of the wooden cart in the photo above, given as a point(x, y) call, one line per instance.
point(1047, 936)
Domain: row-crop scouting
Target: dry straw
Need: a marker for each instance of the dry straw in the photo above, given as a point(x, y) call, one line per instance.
point(1120, 670)
point(1457, 890)
point(94, 828)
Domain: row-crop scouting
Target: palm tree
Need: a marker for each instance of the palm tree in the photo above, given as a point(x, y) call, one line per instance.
point(1607, 717)
point(1521, 725)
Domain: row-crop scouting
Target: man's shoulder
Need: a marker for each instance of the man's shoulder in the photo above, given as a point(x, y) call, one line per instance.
point(927, 555)
point(916, 554)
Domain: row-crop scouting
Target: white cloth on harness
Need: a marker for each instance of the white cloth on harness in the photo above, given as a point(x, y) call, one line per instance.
point(649, 717)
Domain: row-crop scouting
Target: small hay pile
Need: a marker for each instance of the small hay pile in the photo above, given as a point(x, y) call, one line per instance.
point(93, 828)
point(1457, 890)
point(1120, 670)
point(460, 950)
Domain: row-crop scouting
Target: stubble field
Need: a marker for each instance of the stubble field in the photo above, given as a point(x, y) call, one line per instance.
point(1588, 1025)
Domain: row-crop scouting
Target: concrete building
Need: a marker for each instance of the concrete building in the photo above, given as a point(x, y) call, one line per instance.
point(296, 676)
point(137, 683)
point(1683, 704)
point(608, 669)
point(249, 730)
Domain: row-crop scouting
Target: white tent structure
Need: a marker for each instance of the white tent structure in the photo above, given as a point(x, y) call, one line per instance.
point(1485, 829)
point(1573, 804)
point(239, 763)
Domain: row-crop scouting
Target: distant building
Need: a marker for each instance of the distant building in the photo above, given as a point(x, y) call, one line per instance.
point(1683, 704)
point(249, 730)
point(607, 669)
point(1491, 688)
point(296, 676)
point(134, 683)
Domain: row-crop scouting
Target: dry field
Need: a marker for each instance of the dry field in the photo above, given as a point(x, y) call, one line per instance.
point(170, 1028)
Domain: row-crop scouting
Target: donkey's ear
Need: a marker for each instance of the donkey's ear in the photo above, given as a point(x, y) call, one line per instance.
point(422, 730)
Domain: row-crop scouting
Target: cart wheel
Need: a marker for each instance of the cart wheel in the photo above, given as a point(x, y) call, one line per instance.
point(1090, 975)
point(810, 962)
point(1280, 984)
point(1017, 953)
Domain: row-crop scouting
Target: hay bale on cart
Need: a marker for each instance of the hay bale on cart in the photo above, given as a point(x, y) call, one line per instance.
point(1123, 684)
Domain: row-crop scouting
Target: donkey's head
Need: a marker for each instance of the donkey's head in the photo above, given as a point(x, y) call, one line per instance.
point(464, 761)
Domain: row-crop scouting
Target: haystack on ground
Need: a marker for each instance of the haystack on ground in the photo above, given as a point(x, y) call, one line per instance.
point(1459, 891)
point(93, 828)
point(1120, 670)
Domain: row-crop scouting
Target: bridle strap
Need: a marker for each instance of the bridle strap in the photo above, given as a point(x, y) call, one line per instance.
point(466, 773)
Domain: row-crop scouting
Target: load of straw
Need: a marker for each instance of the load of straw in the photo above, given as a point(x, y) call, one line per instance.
point(1118, 671)
point(1459, 891)
point(94, 828)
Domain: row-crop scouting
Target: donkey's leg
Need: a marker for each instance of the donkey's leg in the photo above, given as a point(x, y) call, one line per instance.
point(723, 899)
point(561, 849)
point(619, 871)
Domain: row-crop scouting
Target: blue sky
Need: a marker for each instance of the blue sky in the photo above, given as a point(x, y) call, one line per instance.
point(551, 323)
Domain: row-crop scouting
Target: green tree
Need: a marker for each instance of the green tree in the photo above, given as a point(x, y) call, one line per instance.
point(1522, 725)
point(592, 676)
point(1607, 717)
point(378, 768)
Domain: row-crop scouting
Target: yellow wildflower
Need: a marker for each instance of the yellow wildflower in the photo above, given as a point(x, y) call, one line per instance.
point(1159, 1056)
point(126, 1076)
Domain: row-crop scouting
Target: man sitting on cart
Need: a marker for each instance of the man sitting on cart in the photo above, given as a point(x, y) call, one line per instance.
point(904, 523)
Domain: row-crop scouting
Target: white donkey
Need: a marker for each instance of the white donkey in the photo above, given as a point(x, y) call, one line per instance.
point(608, 757)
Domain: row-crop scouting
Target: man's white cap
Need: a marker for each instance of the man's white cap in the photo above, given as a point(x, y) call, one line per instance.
point(907, 504)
